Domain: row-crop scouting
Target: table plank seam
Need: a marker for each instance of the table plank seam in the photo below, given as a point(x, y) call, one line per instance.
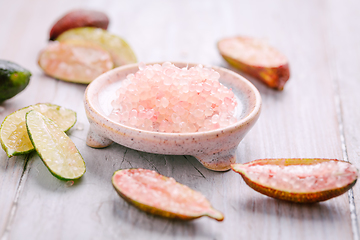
point(194, 167)
point(22, 180)
point(339, 114)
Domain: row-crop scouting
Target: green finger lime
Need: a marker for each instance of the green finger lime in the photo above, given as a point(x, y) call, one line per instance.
point(13, 79)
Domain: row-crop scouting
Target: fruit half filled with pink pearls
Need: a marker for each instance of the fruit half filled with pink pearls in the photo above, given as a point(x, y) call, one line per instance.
point(166, 98)
point(299, 180)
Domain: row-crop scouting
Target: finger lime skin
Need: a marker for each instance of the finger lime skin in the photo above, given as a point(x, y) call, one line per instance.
point(13, 79)
point(298, 197)
point(274, 77)
point(79, 18)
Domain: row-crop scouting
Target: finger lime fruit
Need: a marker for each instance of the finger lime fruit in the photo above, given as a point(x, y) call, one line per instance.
point(79, 18)
point(160, 195)
point(13, 79)
point(256, 58)
point(75, 61)
point(120, 51)
point(301, 180)
point(13, 134)
point(54, 147)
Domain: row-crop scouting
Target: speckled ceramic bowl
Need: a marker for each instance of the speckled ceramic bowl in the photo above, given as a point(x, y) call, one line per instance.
point(214, 149)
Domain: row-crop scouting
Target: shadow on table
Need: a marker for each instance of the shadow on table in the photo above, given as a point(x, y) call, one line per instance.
point(321, 211)
point(39, 173)
point(142, 223)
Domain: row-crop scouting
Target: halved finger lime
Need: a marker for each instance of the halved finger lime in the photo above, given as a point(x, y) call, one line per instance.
point(256, 58)
point(301, 180)
point(13, 135)
point(163, 196)
point(75, 60)
point(54, 147)
point(119, 50)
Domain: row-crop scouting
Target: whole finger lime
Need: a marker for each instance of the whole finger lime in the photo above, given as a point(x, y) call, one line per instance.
point(13, 79)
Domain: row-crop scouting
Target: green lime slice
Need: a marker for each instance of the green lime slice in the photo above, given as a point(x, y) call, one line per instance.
point(119, 50)
point(13, 135)
point(54, 147)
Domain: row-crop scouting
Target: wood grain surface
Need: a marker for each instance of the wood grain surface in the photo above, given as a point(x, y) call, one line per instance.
point(315, 116)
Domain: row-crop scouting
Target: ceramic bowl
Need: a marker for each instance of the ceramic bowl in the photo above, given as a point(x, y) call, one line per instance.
point(214, 149)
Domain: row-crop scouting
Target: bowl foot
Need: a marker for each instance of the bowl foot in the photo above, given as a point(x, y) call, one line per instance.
point(219, 161)
point(95, 140)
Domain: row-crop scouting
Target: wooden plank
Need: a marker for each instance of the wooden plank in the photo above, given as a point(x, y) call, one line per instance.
point(345, 59)
point(294, 123)
point(301, 121)
point(21, 44)
point(11, 170)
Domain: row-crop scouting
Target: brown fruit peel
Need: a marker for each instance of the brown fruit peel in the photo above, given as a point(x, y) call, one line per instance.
point(79, 18)
point(298, 197)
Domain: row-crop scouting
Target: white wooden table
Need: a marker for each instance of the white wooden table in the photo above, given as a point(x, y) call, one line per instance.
point(317, 115)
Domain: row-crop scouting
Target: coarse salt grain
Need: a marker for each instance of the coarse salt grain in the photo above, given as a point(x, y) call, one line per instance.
point(166, 98)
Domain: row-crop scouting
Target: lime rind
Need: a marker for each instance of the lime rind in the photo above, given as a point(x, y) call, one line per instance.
point(54, 147)
point(4, 136)
point(13, 135)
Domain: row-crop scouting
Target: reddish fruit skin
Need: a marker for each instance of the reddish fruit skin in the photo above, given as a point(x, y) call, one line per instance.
point(274, 77)
point(79, 18)
point(312, 197)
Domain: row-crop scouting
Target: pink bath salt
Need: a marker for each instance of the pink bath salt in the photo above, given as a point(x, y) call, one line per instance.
point(175, 100)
